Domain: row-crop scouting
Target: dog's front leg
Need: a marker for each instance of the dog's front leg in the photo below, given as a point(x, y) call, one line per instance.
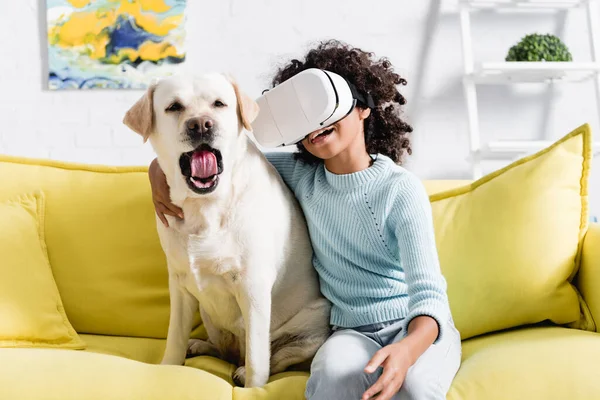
point(183, 307)
point(255, 304)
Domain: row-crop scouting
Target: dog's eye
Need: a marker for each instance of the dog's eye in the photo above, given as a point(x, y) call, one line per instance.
point(219, 104)
point(174, 107)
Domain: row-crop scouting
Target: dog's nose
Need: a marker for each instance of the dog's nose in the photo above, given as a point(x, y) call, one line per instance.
point(199, 126)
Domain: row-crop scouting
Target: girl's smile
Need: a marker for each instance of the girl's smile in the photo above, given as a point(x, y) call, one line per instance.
point(321, 136)
point(341, 145)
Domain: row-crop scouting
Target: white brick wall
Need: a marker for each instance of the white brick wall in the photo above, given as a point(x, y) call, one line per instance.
point(248, 38)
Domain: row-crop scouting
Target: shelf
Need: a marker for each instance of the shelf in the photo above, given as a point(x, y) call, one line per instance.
point(510, 6)
point(534, 72)
point(507, 149)
point(524, 5)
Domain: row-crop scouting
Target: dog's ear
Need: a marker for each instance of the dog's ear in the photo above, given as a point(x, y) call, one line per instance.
point(140, 117)
point(247, 108)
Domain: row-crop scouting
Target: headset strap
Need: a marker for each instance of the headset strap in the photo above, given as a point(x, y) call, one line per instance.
point(365, 100)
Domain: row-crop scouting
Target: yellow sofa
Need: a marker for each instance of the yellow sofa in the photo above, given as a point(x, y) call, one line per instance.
point(110, 272)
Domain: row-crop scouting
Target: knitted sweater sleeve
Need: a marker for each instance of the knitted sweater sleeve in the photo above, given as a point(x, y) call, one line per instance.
point(418, 254)
point(287, 166)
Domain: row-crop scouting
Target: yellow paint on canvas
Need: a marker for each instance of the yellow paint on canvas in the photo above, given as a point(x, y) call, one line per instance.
point(156, 51)
point(157, 6)
point(149, 22)
point(97, 45)
point(148, 51)
point(130, 54)
point(79, 3)
point(81, 27)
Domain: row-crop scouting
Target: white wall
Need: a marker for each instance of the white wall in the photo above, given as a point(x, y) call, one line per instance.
point(248, 38)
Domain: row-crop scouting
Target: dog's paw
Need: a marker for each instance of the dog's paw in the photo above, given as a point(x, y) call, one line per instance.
point(197, 347)
point(239, 376)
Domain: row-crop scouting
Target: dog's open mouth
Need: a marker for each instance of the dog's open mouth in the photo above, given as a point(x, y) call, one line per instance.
point(201, 168)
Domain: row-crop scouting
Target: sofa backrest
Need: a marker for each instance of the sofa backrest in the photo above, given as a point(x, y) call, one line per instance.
point(102, 243)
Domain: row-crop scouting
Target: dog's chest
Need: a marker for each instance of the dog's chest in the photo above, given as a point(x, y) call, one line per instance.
point(215, 260)
point(212, 243)
point(218, 300)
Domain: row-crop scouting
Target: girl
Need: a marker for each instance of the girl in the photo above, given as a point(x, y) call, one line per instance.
point(371, 229)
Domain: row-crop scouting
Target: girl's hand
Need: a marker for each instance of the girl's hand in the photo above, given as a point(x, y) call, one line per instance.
point(160, 194)
point(395, 360)
point(398, 357)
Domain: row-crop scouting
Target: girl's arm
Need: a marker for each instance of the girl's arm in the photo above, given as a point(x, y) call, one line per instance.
point(160, 194)
point(287, 166)
point(397, 358)
point(428, 310)
point(419, 257)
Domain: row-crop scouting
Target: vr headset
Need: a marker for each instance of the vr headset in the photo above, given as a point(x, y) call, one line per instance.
point(311, 100)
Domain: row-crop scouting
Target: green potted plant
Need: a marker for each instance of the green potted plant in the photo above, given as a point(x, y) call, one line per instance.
point(536, 47)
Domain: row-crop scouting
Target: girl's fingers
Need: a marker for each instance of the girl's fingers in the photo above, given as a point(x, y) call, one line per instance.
point(161, 210)
point(162, 218)
point(373, 390)
point(177, 212)
point(169, 209)
point(173, 210)
point(390, 390)
point(379, 386)
point(376, 361)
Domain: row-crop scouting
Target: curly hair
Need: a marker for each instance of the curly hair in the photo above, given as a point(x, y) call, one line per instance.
point(385, 131)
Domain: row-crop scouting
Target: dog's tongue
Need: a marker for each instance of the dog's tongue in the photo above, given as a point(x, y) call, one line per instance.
point(204, 164)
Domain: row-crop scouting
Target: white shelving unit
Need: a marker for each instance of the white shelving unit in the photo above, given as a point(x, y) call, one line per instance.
point(523, 5)
point(509, 73)
point(533, 72)
point(501, 150)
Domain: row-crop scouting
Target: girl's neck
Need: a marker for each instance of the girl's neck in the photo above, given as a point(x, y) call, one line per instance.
point(353, 159)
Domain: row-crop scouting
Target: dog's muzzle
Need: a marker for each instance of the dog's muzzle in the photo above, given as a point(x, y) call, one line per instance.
point(201, 168)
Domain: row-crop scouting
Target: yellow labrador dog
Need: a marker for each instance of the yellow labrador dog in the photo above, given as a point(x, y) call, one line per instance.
point(242, 254)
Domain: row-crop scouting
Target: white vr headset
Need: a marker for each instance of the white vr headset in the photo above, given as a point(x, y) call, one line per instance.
point(311, 100)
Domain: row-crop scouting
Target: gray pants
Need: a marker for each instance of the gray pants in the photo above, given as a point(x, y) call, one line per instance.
point(337, 371)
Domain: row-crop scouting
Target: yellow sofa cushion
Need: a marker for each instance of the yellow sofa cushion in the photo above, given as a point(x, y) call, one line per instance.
point(43, 374)
point(509, 242)
point(90, 375)
point(103, 246)
point(288, 385)
point(147, 350)
point(534, 363)
point(31, 310)
point(549, 363)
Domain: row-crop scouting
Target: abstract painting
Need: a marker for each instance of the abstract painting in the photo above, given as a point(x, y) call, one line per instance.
point(113, 44)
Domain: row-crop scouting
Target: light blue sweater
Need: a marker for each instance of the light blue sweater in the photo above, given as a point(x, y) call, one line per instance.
point(373, 240)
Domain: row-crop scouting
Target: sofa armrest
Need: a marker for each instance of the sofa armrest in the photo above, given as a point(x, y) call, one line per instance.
point(589, 272)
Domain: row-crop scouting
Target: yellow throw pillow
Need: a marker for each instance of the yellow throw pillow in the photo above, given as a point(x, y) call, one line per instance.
point(31, 310)
point(509, 242)
point(100, 229)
